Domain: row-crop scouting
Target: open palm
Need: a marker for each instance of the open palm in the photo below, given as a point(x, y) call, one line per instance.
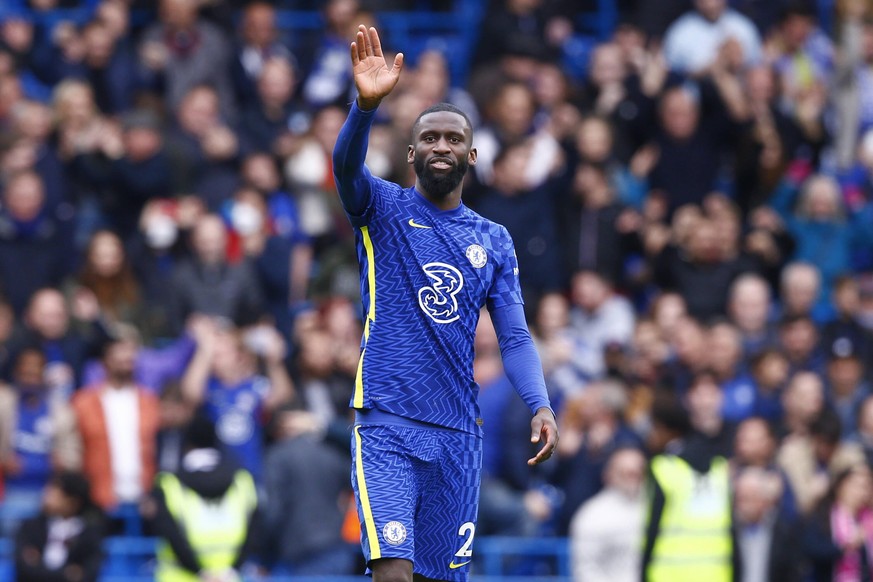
point(373, 78)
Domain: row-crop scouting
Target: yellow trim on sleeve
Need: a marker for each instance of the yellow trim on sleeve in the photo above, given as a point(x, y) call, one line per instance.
point(358, 398)
point(369, 522)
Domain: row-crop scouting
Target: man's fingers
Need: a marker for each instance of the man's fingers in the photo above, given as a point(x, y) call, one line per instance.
point(398, 64)
point(361, 44)
point(368, 46)
point(536, 427)
point(353, 48)
point(375, 42)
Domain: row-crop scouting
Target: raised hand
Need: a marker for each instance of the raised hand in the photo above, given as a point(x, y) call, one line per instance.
point(373, 78)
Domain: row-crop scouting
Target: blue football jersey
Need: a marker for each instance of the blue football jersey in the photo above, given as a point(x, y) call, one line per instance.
point(425, 275)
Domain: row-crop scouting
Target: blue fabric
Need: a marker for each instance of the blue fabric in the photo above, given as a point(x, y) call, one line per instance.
point(32, 444)
point(237, 413)
point(422, 490)
point(521, 361)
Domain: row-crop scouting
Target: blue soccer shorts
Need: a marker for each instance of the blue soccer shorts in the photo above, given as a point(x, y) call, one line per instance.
point(417, 491)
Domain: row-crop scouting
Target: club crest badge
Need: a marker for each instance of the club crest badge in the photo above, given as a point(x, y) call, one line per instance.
point(477, 256)
point(394, 533)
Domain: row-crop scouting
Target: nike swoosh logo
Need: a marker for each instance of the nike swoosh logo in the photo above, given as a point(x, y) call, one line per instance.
point(453, 566)
point(412, 224)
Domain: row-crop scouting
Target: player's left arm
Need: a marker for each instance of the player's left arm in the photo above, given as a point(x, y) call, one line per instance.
point(524, 369)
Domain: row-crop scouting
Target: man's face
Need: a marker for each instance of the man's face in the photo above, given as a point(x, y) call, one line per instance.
point(441, 152)
point(710, 9)
point(120, 359)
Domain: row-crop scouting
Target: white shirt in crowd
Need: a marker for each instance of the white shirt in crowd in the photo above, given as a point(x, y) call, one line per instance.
point(121, 410)
point(692, 42)
point(606, 538)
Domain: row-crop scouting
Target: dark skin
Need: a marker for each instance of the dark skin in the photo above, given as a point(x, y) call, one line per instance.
point(441, 138)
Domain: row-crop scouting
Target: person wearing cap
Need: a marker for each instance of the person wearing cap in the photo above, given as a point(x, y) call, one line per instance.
point(62, 542)
point(845, 383)
point(206, 512)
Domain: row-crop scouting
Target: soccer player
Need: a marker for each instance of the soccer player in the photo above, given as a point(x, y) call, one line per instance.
point(428, 265)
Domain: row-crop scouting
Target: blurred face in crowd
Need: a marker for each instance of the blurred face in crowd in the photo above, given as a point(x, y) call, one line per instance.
point(259, 171)
point(510, 170)
point(703, 243)
point(276, 83)
point(770, 371)
point(607, 65)
point(231, 360)
point(120, 360)
point(704, 401)
point(47, 314)
point(198, 111)
point(625, 472)
point(56, 503)
point(710, 9)
point(24, 197)
point(141, 143)
point(760, 84)
point(553, 314)
point(550, 86)
point(821, 199)
point(29, 371)
point(754, 444)
point(74, 103)
point(794, 31)
point(259, 25)
point(755, 495)
point(590, 291)
point(798, 339)
point(679, 114)
point(725, 349)
point(210, 240)
point(99, 44)
point(594, 139)
point(749, 304)
point(178, 14)
point(316, 354)
point(800, 288)
point(845, 374)
point(115, 16)
point(667, 309)
point(340, 13)
point(326, 126)
point(854, 491)
point(432, 76)
point(513, 110)
point(688, 341)
point(847, 297)
point(32, 120)
point(804, 397)
point(105, 254)
point(684, 223)
point(10, 93)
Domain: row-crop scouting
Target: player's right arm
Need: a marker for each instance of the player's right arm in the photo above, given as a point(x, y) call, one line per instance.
point(373, 80)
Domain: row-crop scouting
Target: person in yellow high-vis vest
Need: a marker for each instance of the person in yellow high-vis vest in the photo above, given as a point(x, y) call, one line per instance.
point(206, 513)
point(689, 533)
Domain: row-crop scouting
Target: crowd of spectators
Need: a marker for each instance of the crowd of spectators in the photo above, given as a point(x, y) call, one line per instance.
point(692, 214)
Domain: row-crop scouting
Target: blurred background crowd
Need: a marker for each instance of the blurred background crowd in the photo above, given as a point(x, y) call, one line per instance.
point(687, 182)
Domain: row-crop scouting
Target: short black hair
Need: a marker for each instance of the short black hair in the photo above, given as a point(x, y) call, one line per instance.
point(443, 106)
point(75, 485)
point(200, 432)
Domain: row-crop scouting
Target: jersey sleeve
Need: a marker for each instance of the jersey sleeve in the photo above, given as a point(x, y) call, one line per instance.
point(354, 182)
point(505, 289)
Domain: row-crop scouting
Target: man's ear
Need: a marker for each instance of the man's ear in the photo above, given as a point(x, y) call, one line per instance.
point(410, 154)
point(472, 156)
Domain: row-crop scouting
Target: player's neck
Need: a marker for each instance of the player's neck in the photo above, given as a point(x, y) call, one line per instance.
point(448, 202)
